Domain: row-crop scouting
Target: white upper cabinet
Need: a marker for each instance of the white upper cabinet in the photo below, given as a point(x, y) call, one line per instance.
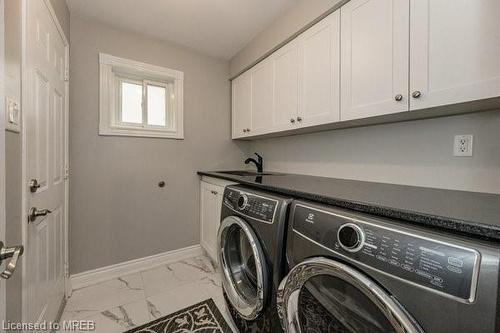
point(455, 51)
point(319, 72)
point(374, 47)
point(286, 86)
point(372, 58)
point(241, 105)
point(262, 92)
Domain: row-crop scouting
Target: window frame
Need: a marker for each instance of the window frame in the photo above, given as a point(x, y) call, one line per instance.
point(114, 71)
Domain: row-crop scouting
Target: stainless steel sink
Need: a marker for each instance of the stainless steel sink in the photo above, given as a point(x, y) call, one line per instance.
point(246, 173)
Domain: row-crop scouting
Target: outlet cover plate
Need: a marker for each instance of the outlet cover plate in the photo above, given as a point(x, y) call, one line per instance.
point(462, 145)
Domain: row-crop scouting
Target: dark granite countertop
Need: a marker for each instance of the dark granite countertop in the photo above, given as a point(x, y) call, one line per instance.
point(467, 213)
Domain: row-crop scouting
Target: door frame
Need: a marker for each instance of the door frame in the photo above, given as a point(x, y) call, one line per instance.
point(26, 98)
point(3, 296)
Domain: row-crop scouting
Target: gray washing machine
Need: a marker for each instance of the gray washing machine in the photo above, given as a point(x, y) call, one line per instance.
point(352, 272)
point(252, 256)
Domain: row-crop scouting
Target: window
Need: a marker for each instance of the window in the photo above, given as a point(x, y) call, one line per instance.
point(138, 99)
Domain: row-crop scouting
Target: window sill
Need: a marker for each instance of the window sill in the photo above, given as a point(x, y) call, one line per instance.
point(143, 133)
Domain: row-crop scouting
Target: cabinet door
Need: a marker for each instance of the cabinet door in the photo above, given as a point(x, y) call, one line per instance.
point(208, 212)
point(319, 72)
point(218, 197)
point(375, 58)
point(241, 105)
point(286, 83)
point(454, 51)
point(262, 100)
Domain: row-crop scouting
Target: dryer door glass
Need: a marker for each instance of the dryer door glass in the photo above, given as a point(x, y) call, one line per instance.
point(324, 295)
point(329, 304)
point(242, 262)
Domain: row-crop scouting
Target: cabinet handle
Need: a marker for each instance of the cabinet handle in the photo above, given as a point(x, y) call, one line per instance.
point(244, 130)
point(214, 192)
point(416, 94)
point(292, 120)
point(248, 129)
point(398, 97)
point(299, 118)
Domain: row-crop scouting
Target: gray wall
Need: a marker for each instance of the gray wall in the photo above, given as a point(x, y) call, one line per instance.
point(13, 141)
point(117, 211)
point(63, 15)
point(304, 12)
point(414, 153)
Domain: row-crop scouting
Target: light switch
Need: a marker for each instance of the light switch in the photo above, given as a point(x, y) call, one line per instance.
point(12, 115)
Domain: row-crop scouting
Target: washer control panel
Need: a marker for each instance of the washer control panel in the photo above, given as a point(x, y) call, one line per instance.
point(251, 205)
point(441, 266)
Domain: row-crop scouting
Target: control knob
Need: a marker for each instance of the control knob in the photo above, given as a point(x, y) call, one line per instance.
point(242, 201)
point(351, 237)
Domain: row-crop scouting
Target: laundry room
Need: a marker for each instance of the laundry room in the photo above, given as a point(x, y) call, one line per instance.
point(250, 166)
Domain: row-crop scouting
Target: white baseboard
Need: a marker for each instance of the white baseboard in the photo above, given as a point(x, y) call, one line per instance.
point(98, 275)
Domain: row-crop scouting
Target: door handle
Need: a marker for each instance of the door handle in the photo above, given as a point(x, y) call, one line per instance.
point(34, 213)
point(34, 185)
point(10, 252)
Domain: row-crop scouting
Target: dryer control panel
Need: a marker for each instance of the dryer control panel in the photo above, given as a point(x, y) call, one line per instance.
point(251, 205)
point(415, 258)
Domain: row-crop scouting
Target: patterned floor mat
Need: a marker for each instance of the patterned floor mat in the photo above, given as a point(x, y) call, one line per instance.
point(203, 317)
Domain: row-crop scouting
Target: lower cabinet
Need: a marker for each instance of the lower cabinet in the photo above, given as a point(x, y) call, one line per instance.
point(211, 192)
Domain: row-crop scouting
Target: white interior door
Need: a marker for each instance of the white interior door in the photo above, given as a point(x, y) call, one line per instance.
point(454, 51)
point(2, 156)
point(45, 124)
point(375, 59)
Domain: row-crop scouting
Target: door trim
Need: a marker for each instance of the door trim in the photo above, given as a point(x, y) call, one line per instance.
point(3, 296)
point(25, 102)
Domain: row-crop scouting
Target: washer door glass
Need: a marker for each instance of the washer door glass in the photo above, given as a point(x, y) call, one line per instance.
point(241, 259)
point(323, 295)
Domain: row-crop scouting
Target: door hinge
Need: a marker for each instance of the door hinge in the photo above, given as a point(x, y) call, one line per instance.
point(66, 74)
point(66, 173)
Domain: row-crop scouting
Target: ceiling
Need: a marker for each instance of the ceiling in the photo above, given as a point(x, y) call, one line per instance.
point(219, 28)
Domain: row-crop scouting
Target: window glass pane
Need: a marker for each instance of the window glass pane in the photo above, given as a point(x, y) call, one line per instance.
point(156, 106)
point(131, 103)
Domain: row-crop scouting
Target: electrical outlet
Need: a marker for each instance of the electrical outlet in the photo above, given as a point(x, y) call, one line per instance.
point(463, 145)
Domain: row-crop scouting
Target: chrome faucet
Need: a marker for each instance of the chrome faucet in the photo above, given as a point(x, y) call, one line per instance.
point(259, 163)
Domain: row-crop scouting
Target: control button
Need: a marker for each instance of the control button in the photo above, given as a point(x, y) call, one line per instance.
point(454, 269)
point(394, 262)
point(242, 202)
point(351, 237)
point(455, 262)
point(424, 274)
point(407, 268)
point(381, 258)
point(437, 283)
point(437, 279)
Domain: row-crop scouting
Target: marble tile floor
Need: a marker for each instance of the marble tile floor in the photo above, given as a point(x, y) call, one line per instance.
point(129, 301)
